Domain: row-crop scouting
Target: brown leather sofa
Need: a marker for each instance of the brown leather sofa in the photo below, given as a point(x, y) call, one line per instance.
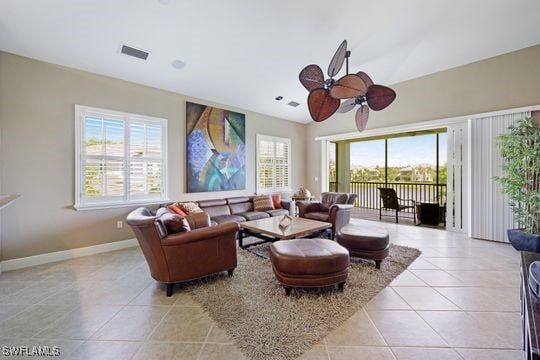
point(177, 252)
point(333, 207)
point(238, 209)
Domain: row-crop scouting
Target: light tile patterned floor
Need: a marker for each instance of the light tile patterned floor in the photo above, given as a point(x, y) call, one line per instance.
point(459, 300)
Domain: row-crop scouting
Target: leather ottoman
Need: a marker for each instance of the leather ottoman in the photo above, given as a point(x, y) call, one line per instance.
point(309, 263)
point(368, 242)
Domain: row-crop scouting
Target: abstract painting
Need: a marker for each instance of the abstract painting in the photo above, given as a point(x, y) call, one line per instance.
point(216, 149)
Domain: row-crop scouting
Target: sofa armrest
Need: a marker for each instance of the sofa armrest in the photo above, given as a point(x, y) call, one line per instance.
point(288, 205)
point(201, 234)
point(306, 206)
point(339, 215)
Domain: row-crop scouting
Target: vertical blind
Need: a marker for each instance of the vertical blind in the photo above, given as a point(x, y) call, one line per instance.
point(491, 213)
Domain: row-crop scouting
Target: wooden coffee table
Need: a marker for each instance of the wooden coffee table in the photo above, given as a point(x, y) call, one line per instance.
point(268, 230)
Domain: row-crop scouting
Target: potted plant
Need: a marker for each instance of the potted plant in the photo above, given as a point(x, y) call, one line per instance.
point(520, 149)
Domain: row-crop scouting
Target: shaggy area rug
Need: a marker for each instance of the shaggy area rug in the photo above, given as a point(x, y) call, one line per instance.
point(265, 324)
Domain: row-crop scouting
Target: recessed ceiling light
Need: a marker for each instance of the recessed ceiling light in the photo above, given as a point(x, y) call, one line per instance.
point(178, 64)
point(279, 98)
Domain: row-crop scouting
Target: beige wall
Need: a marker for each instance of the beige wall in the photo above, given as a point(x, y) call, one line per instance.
point(503, 82)
point(37, 143)
point(37, 152)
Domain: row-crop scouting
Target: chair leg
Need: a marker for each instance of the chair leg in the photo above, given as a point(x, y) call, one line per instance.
point(287, 290)
point(230, 272)
point(378, 264)
point(414, 213)
point(170, 289)
point(380, 213)
point(397, 216)
point(341, 285)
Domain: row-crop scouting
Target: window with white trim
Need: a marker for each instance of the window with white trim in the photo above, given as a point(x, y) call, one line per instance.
point(120, 158)
point(273, 164)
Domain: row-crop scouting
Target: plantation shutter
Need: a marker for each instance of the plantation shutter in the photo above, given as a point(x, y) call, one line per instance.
point(273, 164)
point(120, 158)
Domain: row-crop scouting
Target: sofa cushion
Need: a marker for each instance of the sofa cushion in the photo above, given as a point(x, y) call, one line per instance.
point(221, 219)
point(277, 212)
point(254, 215)
point(320, 216)
point(220, 210)
point(241, 207)
point(276, 200)
point(174, 223)
point(263, 203)
point(190, 207)
point(238, 199)
point(212, 202)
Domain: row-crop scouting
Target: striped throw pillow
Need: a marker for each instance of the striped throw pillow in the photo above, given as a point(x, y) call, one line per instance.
point(263, 203)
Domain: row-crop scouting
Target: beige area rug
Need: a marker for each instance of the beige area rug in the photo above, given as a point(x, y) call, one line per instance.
point(265, 324)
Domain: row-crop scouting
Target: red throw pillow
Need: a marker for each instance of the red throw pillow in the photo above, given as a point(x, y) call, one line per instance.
point(175, 208)
point(276, 199)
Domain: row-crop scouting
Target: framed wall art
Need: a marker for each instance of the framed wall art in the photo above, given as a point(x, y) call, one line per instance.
point(216, 149)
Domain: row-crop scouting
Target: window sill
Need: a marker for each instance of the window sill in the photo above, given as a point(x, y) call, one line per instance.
point(118, 205)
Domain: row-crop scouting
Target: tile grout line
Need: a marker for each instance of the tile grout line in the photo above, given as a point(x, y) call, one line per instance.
point(205, 340)
point(375, 326)
point(326, 348)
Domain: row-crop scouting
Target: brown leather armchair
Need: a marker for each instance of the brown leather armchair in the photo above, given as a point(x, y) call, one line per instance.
point(334, 208)
point(187, 255)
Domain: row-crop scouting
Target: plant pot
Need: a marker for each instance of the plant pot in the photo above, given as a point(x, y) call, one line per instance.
point(523, 241)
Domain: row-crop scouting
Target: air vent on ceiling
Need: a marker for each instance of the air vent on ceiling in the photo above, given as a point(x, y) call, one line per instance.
point(131, 51)
point(293, 104)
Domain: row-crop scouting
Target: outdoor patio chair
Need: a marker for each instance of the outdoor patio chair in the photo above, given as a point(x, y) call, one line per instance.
point(390, 201)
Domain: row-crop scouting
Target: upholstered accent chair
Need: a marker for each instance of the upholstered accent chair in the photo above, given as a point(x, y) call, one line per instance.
point(177, 252)
point(391, 201)
point(333, 207)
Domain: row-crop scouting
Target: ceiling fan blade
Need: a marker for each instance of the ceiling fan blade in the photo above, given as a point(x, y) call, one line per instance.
point(366, 78)
point(361, 117)
point(379, 97)
point(337, 59)
point(348, 86)
point(321, 105)
point(312, 77)
point(347, 106)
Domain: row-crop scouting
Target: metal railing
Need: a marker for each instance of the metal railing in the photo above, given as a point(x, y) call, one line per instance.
point(368, 195)
point(332, 186)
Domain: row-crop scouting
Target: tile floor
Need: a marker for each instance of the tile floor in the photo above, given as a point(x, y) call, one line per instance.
point(459, 300)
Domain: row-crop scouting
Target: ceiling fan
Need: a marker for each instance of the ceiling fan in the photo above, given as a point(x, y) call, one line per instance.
point(325, 95)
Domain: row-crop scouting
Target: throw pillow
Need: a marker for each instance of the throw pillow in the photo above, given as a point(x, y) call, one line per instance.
point(175, 208)
point(276, 199)
point(190, 207)
point(174, 223)
point(263, 203)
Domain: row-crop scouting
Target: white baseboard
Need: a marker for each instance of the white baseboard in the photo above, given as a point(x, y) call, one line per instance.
point(20, 263)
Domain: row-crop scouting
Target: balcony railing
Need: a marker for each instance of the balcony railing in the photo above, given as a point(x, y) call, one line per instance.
point(368, 195)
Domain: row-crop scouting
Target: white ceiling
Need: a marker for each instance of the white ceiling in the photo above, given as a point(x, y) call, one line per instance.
point(244, 53)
